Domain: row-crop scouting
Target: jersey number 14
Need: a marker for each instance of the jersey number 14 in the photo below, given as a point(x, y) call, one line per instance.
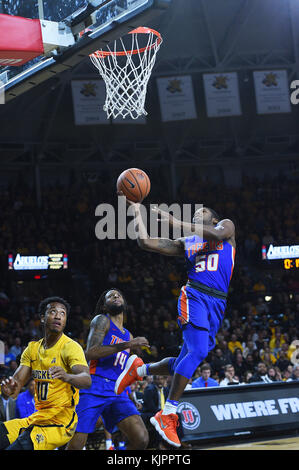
point(120, 359)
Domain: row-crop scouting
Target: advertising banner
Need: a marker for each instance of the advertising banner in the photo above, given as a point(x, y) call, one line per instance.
point(237, 410)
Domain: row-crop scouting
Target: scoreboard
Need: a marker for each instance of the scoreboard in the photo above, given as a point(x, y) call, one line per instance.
point(285, 256)
point(39, 266)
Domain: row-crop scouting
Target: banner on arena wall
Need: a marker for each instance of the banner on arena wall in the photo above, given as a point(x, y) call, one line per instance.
point(176, 98)
point(272, 91)
point(222, 94)
point(53, 261)
point(239, 410)
point(88, 101)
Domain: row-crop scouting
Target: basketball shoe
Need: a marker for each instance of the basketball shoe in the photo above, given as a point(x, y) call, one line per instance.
point(166, 426)
point(129, 374)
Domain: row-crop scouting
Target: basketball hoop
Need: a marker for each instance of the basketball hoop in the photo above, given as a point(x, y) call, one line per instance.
point(126, 72)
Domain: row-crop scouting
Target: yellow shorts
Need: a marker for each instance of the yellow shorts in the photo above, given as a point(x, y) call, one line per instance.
point(44, 435)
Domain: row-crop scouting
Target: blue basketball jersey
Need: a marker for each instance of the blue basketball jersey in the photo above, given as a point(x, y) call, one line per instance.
point(210, 262)
point(111, 367)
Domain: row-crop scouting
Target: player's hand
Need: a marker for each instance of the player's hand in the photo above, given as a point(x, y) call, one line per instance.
point(138, 342)
point(9, 385)
point(163, 216)
point(59, 373)
point(134, 205)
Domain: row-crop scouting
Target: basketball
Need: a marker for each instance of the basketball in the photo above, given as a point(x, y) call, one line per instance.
point(134, 184)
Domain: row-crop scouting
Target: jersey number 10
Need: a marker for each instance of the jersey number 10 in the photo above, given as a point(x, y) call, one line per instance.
point(206, 262)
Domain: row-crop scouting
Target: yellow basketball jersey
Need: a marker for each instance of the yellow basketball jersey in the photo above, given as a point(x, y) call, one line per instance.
point(53, 397)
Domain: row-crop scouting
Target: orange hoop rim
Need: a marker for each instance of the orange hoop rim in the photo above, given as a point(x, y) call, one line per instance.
point(140, 30)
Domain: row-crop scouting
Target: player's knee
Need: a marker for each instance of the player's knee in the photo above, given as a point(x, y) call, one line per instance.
point(141, 440)
point(4, 441)
point(171, 365)
point(200, 354)
point(198, 351)
point(77, 442)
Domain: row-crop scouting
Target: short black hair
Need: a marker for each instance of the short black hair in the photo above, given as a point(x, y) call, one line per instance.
point(214, 214)
point(100, 306)
point(49, 300)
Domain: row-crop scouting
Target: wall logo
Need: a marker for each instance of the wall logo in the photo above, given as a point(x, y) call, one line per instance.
point(190, 415)
point(221, 82)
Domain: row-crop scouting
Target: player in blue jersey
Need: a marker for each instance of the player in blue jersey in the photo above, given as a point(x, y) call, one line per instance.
point(209, 251)
point(108, 349)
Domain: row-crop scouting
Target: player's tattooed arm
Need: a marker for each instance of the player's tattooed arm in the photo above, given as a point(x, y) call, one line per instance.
point(163, 246)
point(95, 349)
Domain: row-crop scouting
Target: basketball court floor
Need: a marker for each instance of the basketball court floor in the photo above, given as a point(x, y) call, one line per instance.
point(277, 443)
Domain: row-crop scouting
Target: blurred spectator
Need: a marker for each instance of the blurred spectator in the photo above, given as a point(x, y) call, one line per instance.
point(16, 348)
point(217, 361)
point(261, 374)
point(8, 356)
point(283, 362)
point(248, 348)
point(7, 404)
point(239, 363)
point(25, 404)
point(230, 377)
point(154, 397)
point(295, 374)
point(247, 376)
point(205, 380)
point(137, 394)
point(273, 374)
point(234, 343)
point(171, 340)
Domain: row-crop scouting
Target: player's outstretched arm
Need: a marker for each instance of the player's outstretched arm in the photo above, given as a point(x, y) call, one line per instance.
point(14, 384)
point(163, 246)
point(224, 230)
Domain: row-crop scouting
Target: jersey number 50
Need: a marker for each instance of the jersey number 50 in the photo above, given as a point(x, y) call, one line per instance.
point(206, 262)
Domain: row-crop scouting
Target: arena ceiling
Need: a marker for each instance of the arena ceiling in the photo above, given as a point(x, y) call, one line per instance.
point(199, 36)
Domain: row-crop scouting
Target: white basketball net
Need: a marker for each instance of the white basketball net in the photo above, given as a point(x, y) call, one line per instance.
point(126, 73)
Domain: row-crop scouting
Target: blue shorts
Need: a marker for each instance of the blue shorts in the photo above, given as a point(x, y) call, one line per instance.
point(201, 310)
point(111, 409)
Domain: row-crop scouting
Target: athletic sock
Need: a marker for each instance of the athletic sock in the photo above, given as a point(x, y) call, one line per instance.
point(108, 443)
point(170, 407)
point(142, 371)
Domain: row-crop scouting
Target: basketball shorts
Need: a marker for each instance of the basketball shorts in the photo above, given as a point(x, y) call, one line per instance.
point(112, 410)
point(48, 435)
point(201, 310)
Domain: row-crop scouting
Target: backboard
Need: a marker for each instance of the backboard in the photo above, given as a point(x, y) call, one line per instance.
point(93, 24)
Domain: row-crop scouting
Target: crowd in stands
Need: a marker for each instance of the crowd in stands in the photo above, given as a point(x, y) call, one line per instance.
point(259, 336)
